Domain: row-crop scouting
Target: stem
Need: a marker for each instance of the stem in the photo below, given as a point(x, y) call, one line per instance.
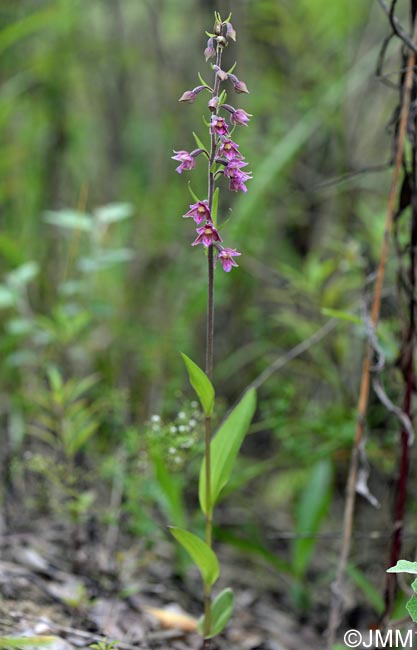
point(209, 365)
point(409, 378)
point(337, 588)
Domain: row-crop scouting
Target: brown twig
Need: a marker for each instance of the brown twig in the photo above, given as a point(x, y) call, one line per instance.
point(337, 589)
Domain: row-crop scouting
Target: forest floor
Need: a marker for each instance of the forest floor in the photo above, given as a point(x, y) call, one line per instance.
point(131, 597)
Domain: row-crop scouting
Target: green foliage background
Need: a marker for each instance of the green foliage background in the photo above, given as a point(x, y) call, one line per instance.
point(89, 116)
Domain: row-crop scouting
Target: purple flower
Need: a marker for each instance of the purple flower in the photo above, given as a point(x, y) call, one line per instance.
point(236, 176)
point(239, 116)
point(199, 212)
point(229, 149)
point(238, 184)
point(218, 125)
point(239, 86)
point(233, 168)
point(207, 235)
point(226, 256)
point(186, 159)
point(209, 52)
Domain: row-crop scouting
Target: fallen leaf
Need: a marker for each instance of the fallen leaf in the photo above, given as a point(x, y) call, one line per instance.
point(171, 618)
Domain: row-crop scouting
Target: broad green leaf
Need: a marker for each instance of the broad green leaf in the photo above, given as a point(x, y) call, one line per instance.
point(171, 490)
point(215, 206)
point(221, 611)
point(198, 142)
point(194, 196)
point(342, 315)
point(412, 608)
point(69, 219)
point(203, 556)
point(113, 212)
point(414, 586)
point(311, 509)
point(201, 384)
point(225, 447)
point(403, 566)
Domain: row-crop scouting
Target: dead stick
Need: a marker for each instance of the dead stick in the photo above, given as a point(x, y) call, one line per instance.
point(337, 597)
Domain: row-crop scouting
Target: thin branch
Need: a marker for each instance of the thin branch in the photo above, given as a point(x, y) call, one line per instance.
point(397, 27)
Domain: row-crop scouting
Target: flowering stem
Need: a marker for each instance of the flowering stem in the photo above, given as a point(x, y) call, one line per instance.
point(209, 359)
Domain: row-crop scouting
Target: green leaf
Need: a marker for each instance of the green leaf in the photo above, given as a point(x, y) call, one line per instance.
point(411, 607)
point(69, 219)
point(201, 384)
point(203, 556)
point(371, 593)
point(24, 274)
point(222, 97)
point(171, 490)
point(311, 509)
point(232, 68)
point(113, 212)
point(342, 315)
point(7, 297)
point(193, 195)
point(403, 566)
point(225, 447)
point(215, 206)
point(221, 611)
point(199, 144)
point(203, 83)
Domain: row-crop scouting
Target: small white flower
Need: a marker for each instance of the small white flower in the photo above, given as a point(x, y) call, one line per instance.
point(194, 404)
point(181, 415)
point(182, 428)
point(192, 422)
point(155, 418)
point(173, 429)
point(172, 450)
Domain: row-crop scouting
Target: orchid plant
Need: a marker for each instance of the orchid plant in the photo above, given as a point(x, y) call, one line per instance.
point(224, 160)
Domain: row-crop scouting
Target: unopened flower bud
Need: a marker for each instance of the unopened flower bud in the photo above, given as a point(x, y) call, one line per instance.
point(230, 32)
point(220, 73)
point(217, 28)
point(239, 86)
point(190, 95)
point(210, 50)
point(213, 104)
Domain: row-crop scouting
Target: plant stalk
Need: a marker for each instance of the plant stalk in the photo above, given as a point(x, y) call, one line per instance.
point(407, 354)
point(209, 365)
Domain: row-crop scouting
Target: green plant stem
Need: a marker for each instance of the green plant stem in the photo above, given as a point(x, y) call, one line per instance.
point(209, 366)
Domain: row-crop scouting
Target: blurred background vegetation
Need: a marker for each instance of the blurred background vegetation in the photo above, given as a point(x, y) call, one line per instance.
point(100, 290)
